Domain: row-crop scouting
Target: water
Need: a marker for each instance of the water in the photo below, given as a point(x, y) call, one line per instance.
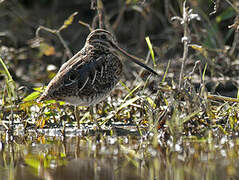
point(47, 154)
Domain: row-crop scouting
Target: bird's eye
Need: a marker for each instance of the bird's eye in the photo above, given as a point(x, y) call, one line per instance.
point(103, 36)
point(72, 77)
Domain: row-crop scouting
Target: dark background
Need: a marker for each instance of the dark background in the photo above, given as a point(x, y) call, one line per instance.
point(20, 19)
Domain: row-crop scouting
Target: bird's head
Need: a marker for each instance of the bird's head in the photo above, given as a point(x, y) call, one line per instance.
point(101, 39)
point(104, 40)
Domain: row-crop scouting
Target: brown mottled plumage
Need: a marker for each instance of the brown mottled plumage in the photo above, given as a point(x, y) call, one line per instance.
point(90, 75)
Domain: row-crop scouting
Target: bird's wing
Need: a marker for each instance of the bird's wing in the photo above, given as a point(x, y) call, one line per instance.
point(78, 58)
point(82, 71)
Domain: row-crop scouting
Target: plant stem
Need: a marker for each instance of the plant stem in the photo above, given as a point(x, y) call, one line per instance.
point(185, 43)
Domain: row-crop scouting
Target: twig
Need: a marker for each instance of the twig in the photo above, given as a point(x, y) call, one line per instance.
point(86, 25)
point(58, 34)
point(194, 68)
point(100, 13)
point(68, 51)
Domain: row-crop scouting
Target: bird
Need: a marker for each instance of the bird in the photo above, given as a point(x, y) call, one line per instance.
point(91, 74)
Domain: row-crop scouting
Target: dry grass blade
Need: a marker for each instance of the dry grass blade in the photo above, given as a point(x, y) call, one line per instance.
point(127, 103)
point(222, 98)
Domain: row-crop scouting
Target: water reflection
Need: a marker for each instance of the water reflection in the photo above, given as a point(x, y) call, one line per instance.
point(75, 170)
point(107, 157)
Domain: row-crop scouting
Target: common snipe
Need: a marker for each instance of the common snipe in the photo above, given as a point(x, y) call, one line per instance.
point(90, 75)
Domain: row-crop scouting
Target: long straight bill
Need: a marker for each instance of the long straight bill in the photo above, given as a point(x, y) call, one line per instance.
point(136, 60)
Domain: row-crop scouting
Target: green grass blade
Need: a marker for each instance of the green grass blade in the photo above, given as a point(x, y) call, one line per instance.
point(204, 72)
point(150, 49)
point(10, 82)
point(166, 72)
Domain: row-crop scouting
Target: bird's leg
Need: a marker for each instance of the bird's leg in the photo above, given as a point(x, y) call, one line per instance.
point(92, 117)
point(76, 114)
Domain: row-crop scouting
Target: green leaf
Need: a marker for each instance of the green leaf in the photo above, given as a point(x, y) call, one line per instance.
point(32, 96)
